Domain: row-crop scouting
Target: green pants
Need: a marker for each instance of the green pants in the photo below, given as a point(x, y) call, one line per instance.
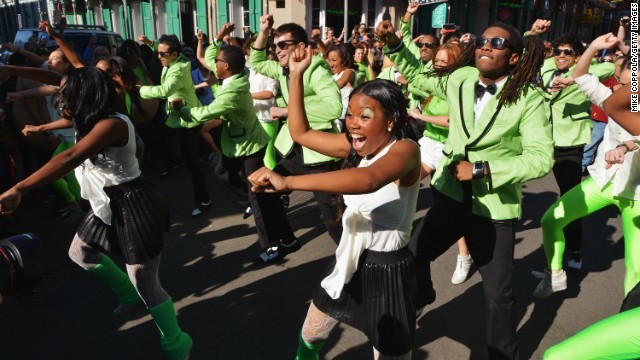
point(271, 127)
point(584, 199)
point(616, 337)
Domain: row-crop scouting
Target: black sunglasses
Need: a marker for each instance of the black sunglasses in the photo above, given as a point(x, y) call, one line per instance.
point(567, 52)
point(282, 45)
point(429, 45)
point(223, 60)
point(163, 54)
point(497, 42)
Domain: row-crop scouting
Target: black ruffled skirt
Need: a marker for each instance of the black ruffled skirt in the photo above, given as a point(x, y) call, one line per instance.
point(379, 300)
point(139, 217)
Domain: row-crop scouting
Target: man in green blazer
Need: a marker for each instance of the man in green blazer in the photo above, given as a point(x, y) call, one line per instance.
point(499, 137)
point(323, 105)
point(569, 111)
point(176, 83)
point(243, 140)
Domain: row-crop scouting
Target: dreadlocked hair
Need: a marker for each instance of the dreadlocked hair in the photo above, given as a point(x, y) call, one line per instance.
point(526, 73)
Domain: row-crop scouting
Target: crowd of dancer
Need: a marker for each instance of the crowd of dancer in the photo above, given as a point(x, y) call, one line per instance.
point(360, 122)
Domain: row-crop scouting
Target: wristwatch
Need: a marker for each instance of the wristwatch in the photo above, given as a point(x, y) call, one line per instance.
point(478, 170)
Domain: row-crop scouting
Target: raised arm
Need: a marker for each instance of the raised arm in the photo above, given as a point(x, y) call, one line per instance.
point(618, 106)
point(605, 41)
point(330, 144)
point(105, 133)
point(33, 58)
point(45, 90)
point(258, 55)
point(622, 30)
point(73, 57)
point(200, 50)
point(40, 75)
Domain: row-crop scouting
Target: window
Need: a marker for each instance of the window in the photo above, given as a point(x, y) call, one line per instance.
point(245, 13)
point(280, 4)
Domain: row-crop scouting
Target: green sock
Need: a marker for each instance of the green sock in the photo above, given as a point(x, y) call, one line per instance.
point(175, 342)
point(307, 351)
point(119, 282)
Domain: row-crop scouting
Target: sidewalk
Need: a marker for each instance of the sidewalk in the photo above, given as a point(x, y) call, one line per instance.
point(234, 309)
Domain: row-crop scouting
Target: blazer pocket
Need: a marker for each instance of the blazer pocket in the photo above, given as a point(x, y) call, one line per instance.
point(237, 133)
point(447, 150)
point(580, 116)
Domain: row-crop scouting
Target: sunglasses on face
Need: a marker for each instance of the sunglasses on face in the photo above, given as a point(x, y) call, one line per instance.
point(428, 45)
point(497, 42)
point(163, 54)
point(567, 52)
point(223, 60)
point(284, 44)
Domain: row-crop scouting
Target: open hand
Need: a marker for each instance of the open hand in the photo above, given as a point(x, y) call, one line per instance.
point(413, 7)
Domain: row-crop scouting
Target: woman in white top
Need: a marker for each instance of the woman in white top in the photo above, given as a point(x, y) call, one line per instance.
point(129, 214)
point(344, 75)
point(371, 286)
point(615, 180)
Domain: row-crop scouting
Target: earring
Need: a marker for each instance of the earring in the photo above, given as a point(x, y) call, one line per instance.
point(389, 129)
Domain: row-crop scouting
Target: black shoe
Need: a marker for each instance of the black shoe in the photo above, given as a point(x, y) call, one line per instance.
point(201, 209)
point(285, 200)
point(277, 253)
point(247, 213)
point(171, 170)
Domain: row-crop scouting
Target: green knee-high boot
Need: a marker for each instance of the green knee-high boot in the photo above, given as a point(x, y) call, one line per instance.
point(117, 279)
point(307, 351)
point(271, 127)
point(175, 342)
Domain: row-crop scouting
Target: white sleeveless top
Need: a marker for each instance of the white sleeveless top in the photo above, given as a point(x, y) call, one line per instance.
point(118, 166)
point(345, 91)
point(379, 221)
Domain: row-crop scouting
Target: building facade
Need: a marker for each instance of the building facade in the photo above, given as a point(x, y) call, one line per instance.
point(183, 18)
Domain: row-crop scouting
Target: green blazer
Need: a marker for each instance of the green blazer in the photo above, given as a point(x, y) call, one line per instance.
point(175, 83)
point(242, 133)
point(569, 110)
point(515, 140)
point(322, 101)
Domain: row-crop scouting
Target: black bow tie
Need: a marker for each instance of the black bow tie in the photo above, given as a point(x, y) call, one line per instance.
point(481, 89)
point(559, 72)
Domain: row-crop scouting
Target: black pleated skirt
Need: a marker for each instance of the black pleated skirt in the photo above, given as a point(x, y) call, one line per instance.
point(139, 217)
point(379, 300)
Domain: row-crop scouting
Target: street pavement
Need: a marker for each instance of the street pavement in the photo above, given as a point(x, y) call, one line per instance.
point(234, 309)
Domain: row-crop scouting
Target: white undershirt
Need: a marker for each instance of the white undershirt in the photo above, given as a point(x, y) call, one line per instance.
point(481, 102)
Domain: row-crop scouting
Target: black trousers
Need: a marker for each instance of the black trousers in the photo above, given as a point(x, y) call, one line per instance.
point(568, 172)
point(491, 244)
point(293, 164)
point(266, 207)
point(188, 142)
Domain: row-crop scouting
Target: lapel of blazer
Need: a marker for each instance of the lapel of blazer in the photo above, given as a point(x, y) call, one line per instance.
point(486, 120)
point(284, 88)
point(466, 96)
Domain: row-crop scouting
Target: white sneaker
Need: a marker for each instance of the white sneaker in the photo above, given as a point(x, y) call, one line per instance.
point(462, 269)
point(550, 284)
